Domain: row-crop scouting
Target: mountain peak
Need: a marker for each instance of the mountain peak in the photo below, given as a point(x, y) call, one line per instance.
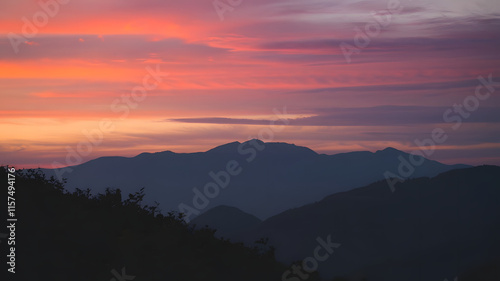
point(160, 153)
point(225, 209)
point(227, 220)
point(255, 141)
point(270, 147)
point(389, 150)
point(225, 148)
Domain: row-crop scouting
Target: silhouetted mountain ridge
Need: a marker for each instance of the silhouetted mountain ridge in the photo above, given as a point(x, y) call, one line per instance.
point(274, 177)
point(442, 226)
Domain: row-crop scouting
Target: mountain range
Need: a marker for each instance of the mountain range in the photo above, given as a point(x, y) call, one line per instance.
point(430, 221)
point(262, 179)
point(430, 229)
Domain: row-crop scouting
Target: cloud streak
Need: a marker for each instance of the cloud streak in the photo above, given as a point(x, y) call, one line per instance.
point(371, 116)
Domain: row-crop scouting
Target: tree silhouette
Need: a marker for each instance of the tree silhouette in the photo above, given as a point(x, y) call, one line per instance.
point(79, 236)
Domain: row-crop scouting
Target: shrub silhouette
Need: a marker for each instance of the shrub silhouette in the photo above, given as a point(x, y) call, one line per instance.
point(78, 236)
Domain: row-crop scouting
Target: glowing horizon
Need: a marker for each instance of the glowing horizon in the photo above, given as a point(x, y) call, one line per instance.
point(62, 77)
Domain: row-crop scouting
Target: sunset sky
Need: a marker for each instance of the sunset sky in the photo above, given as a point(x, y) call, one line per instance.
point(66, 67)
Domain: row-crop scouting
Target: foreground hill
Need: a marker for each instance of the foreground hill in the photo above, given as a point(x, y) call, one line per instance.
point(63, 236)
point(429, 229)
point(268, 178)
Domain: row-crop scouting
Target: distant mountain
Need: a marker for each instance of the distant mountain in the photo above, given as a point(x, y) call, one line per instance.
point(430, 229)
point(228, 221)
point(267, 178)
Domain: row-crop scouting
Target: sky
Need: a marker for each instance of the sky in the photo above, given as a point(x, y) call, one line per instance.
point(85, 79)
